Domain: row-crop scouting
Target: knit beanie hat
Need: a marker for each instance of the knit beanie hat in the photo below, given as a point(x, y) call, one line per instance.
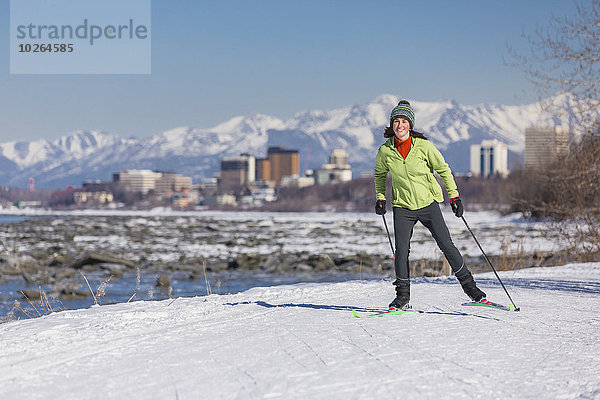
point(404, 110)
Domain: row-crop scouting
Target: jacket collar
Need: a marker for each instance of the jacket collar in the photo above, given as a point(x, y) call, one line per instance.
point(392, 144)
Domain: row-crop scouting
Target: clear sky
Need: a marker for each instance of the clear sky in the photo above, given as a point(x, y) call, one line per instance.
point(213, 60)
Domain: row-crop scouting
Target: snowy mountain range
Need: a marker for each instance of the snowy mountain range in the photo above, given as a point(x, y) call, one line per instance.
point(92, 155)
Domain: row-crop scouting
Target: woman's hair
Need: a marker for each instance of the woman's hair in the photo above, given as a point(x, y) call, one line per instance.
point(389, 132)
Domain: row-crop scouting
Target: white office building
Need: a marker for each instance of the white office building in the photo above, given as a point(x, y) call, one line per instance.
point(139, 180)
point(489, 158)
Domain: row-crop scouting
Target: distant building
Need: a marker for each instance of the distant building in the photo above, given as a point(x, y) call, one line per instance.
point(241, 172)
point(209, 184)
point(263, 169)
point(237, 172)
point(297, 181)
point(145, 180)
point(544, 145)
point(279, 163)
point(95, 197)
point(138, 180)
point(226, 199)
point(489, 158)
point(27, 204)
point(263, 195)
point(184, 198)
point(283, 162)
point(337, 170)
point(170, 181)
point(251, 167)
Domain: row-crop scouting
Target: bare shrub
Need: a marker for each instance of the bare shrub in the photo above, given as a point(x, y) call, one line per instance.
point(567, 194)
point(564, 57)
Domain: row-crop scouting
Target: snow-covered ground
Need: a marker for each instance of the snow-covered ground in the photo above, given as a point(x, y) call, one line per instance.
point(301, 341)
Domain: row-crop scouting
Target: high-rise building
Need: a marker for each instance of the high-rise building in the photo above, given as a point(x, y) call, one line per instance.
point(251, 167)
point(489, 158)
point(263, 169)
point(544, 145)
point(283, 162)
point(237, 172)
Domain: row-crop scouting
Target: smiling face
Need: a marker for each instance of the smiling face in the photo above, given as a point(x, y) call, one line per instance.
point(401, 128)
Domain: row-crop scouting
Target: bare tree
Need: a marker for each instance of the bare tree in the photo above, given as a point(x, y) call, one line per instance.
point(567, 193)
point(565, 58)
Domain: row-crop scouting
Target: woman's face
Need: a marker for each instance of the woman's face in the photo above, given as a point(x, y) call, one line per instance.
point(401, 128)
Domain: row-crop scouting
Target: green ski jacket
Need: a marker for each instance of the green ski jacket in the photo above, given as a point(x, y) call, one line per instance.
point(413, 183)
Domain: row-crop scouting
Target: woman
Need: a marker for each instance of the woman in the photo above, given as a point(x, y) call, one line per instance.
point(411, 159)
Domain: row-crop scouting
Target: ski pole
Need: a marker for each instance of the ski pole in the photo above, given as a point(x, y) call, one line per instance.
point(490, 264)
point(388, 233)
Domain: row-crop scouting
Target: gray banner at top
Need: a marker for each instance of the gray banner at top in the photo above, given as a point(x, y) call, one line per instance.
point(80, 37)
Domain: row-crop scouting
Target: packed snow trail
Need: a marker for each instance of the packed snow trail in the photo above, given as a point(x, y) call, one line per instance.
point(302, 341)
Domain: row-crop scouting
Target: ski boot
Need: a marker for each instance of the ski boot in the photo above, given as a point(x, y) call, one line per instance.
point(470, 288)
point(401, 302)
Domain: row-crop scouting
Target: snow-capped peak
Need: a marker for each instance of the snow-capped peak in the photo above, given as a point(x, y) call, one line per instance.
point(315, 133)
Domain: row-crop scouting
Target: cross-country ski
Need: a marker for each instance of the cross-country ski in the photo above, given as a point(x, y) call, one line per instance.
point(489, 304)
point(387, 312)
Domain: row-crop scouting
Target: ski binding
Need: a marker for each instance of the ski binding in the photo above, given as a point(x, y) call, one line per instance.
point(486, 303)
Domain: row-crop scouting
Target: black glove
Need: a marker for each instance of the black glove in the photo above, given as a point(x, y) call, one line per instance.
point(457, 206)
point(380, 207)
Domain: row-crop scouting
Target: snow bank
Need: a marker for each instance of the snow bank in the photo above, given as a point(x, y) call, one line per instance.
point(301, 341)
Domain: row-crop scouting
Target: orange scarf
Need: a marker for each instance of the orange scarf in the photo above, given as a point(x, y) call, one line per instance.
point(403, 147)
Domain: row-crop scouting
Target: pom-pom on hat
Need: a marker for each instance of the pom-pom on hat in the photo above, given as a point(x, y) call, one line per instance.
point(404, 110)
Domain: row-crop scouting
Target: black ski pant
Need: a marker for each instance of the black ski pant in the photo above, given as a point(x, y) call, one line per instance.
point(431, 217)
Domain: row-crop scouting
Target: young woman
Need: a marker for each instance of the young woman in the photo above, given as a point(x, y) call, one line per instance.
point(411, 159)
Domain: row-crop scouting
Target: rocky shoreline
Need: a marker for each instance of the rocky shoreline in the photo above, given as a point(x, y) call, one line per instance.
point(52, 251)
point(57, 251)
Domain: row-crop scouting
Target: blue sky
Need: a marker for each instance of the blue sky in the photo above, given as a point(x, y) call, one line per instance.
point(215, 60)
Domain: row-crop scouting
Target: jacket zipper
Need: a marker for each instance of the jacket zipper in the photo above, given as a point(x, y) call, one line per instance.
point(412, 187)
